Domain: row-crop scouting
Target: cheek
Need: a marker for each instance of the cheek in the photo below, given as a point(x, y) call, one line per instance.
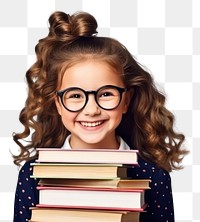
point(117, 115)
point(67, 118)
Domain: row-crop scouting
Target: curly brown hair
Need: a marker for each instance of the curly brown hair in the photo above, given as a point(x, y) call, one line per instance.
point(147, 126)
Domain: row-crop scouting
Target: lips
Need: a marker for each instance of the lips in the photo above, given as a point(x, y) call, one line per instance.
point(91, 124)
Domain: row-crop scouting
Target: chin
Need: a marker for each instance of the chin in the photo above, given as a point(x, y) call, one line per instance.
point(92, 142)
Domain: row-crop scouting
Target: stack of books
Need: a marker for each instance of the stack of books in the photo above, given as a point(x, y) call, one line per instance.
point(87, 185)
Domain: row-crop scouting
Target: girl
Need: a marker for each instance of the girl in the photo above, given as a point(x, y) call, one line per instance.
point(89, 92)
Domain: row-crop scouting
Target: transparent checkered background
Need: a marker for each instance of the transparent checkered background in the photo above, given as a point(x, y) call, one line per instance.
point(163, 34)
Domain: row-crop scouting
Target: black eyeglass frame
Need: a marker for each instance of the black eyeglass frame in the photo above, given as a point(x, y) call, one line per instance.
point(95, 93)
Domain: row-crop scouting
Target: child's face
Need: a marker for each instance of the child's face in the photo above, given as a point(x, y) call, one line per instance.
point(92, 127)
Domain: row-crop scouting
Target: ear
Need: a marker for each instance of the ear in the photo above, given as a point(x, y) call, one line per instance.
point(58, 105)
point(127, 100)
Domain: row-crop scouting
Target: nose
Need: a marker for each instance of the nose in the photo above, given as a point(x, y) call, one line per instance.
point(91, 107)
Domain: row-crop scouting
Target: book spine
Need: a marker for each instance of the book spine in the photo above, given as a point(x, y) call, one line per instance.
point(90, 189)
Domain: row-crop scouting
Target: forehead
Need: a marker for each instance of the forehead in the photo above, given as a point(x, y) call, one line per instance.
point(91, 74)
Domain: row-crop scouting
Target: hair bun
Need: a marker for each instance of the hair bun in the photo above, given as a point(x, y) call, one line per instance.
point(65, 27)
point(83, 24)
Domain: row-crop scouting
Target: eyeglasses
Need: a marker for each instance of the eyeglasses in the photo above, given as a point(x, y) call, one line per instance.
point(107, 97)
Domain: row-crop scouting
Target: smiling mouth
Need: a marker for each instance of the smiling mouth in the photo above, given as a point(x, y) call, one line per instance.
point(91, 124)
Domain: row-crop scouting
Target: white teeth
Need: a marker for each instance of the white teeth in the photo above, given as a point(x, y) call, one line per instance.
point(91, 124)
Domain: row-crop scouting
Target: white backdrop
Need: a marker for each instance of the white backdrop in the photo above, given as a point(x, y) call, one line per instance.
point(164, 35)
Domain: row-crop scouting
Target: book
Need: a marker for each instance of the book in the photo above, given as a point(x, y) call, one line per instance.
point(109, 183)
point(83, 171)
point(78, 215)
point(92, 198)
point(63, 215)
point(87, 156)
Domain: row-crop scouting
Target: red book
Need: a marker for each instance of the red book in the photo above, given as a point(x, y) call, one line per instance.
point(92, 198)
